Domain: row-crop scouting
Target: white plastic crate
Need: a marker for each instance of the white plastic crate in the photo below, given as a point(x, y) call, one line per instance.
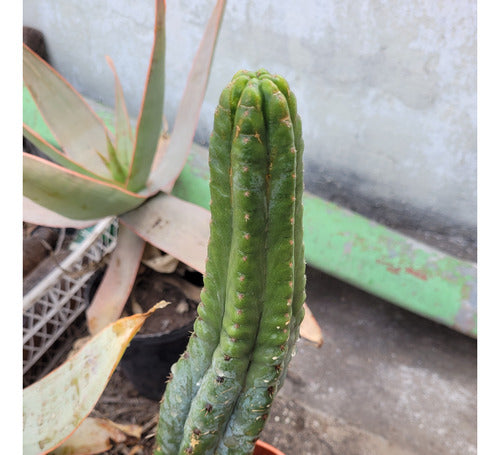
point(51, 307)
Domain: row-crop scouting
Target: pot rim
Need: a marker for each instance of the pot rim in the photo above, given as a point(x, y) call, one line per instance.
point(161, 336)
point(271, 449)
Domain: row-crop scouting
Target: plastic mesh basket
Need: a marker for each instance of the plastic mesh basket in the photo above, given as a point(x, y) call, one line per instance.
point(52, 306)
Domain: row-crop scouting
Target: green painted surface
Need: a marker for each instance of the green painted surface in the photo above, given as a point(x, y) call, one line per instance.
point(371, 257)
point(390, 265)
point(354, 249)
point(33, 118)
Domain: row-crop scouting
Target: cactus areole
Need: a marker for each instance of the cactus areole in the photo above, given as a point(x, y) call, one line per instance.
point(220, 391)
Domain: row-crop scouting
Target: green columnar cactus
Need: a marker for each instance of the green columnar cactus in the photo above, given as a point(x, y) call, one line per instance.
point(221, 389)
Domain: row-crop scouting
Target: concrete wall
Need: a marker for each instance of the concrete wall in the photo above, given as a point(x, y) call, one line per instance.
point(386, 89)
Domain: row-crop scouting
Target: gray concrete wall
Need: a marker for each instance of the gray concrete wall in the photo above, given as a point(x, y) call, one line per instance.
point(386, 89)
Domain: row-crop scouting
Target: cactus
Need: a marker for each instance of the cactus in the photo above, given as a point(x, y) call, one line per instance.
point(219, 393)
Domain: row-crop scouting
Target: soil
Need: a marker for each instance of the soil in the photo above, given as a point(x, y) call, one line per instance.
point(121, 403)
point(151, 287)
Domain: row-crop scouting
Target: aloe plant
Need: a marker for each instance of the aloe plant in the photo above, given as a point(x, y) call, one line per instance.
point(93, 173)
point(220, 391)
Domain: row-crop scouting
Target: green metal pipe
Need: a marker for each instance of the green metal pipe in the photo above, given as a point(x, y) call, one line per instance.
point(370, 256)
point(352, 248)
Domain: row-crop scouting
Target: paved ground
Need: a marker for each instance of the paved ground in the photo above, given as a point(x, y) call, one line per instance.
point(385, 382)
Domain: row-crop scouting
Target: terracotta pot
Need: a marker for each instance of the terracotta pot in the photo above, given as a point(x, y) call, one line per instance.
point(263, 448)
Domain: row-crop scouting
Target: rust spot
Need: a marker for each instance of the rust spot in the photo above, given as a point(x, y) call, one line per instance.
point(417, 273)
point(389, 267)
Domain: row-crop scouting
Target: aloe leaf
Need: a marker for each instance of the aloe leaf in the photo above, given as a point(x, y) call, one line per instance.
point(57, 404)
point(36, 214)
point(117, 282)
point(117, 171)
point(55, 154)
point(149, 122)
point(186, 120)
point(71, 194)
point(174, 226)
point(310, 329)
point(124, 138)
point(79, 131)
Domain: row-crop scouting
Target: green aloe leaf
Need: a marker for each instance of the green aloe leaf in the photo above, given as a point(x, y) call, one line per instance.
point(150, 116)
point(123, 133)
point(36, 214)
point(114, 165)
point(76, 127)
point(55, 154)
point(55, 406)
point(175, 156)
point(71, 194)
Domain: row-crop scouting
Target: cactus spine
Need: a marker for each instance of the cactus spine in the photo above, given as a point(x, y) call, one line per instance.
point(221, 389)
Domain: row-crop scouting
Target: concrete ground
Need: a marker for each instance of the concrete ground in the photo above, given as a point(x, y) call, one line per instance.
point(385, 382)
